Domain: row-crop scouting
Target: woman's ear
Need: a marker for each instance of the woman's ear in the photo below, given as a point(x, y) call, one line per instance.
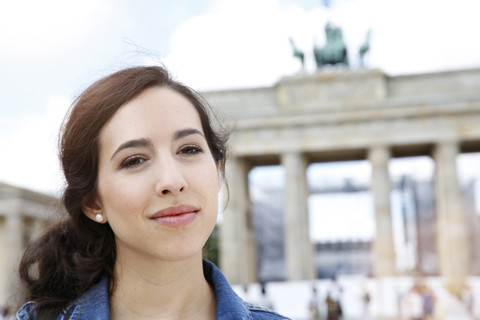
point(92, 208)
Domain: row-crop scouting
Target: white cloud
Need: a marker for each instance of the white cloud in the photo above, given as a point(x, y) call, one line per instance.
point(29, 152)
point(244, 44)
point(32, 28)
point(422, 36)
point(238, 44)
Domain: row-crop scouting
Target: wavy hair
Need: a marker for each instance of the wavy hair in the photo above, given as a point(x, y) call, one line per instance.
point(73, 254)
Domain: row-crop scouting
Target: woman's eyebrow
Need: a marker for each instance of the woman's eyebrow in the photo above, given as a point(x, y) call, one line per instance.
point(137, 143)
point(186, 132)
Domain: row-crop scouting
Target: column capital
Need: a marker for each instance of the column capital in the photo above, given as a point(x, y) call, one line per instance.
point(446, 148)
point(378, 155)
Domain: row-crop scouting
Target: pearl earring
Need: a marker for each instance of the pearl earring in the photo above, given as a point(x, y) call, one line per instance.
point(99, 217)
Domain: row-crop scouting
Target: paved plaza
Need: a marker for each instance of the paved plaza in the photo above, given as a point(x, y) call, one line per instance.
point(387, 298)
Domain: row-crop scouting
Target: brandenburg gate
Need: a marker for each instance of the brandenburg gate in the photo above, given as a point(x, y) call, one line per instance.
point(348, 115)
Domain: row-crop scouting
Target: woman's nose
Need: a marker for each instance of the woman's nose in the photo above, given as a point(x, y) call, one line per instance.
point(170, 179)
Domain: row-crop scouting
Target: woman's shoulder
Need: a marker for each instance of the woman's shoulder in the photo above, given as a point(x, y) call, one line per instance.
point(260, 313)
point(92, 305)
point(29, 311)
point(24, 312)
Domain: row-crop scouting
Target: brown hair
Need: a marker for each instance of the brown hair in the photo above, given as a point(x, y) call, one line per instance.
point(75, 252)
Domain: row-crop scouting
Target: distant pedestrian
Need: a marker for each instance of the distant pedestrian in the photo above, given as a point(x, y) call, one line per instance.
point(333, 308)
point(366, 303)
point(264, 300)
point(413, 306)
point(466, 296)
point(314, 305)
point(412, 303)
point(333, 300)
point(428, 303)
point(246, 295)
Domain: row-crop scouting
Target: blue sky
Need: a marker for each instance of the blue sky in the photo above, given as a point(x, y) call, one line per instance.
point(50, 50)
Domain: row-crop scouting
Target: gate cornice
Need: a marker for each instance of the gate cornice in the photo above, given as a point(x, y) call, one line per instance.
point(299, 114)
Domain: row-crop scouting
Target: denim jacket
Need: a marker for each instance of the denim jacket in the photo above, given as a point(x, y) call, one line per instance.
point(94, 305)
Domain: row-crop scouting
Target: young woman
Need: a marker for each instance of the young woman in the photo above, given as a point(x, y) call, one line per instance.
point(143, 167)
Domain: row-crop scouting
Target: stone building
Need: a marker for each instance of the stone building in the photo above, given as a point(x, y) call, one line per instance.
point(349, 115)
point(23, 216)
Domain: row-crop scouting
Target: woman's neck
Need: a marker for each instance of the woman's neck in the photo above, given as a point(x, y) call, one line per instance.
point(162, 290)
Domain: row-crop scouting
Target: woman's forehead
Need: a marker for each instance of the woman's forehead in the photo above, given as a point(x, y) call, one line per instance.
point(156, 111)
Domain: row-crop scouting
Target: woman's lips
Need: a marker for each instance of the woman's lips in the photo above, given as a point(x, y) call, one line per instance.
point(176, 216)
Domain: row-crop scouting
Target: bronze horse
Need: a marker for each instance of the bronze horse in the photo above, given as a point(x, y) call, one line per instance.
point(335, 51)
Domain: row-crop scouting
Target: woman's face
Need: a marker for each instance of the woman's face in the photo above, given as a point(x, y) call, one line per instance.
point(157, 180)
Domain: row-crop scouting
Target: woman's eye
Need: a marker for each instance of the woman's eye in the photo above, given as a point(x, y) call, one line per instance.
point(190, 150)
point(132, 162)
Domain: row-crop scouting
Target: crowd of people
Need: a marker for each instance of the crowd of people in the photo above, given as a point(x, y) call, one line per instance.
point(421, 303)
point(329, 305)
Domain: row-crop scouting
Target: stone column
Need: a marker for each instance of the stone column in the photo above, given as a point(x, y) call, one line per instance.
point(452, 235)
point(37, 227)
point(384, 251)
point(13, 247)
point(299, 250)
point(238, 259)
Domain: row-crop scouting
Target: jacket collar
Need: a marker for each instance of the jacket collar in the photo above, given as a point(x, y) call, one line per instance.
point(229, 304)
point(95, 303)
